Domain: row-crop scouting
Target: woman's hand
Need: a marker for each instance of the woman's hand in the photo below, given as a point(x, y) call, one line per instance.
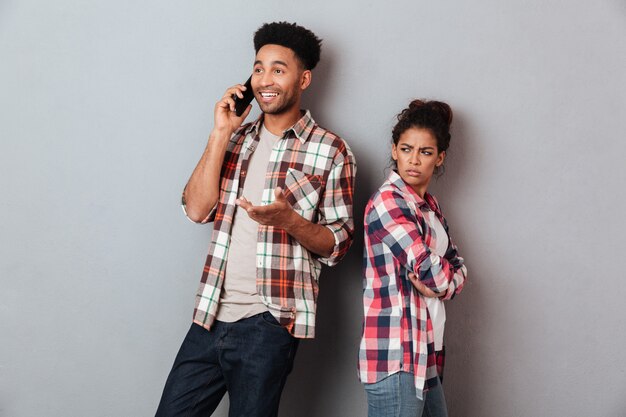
point(423, 289)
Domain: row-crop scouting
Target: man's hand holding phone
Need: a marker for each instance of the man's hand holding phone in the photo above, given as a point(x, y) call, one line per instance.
point(233, 108)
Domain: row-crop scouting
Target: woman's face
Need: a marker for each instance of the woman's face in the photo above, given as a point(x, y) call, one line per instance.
point(416, 156)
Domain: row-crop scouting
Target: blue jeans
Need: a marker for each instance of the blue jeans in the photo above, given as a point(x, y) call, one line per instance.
point(395, 396)
point(250, 359)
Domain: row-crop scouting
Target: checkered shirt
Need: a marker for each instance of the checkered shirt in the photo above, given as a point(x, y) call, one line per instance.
point(397, 330)
point(316, 169)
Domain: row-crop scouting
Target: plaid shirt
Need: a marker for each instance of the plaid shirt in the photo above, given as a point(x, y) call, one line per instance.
point(397, 330)
point(316, 169)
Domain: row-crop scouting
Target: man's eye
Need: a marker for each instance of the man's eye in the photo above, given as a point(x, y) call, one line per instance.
point(278, 71)
point(428, 153)
point(405, 149)
point(257, 70)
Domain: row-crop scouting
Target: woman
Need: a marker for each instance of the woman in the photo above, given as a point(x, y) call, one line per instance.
point(410, 266)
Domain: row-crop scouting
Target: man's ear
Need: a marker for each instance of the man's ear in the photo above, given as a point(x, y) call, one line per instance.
point(305, 79)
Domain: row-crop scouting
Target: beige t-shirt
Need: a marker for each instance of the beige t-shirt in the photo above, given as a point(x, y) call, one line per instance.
point(239, 297)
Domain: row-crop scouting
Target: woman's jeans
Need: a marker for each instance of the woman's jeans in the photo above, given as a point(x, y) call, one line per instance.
point(395, 396)
point(250, 359)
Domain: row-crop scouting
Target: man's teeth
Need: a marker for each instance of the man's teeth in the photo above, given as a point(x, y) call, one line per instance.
point(268, 95)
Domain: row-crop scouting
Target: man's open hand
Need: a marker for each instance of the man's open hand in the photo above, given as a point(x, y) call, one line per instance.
point(278, 214)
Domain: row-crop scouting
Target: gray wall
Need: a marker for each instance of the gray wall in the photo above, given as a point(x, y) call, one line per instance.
point(105, 108)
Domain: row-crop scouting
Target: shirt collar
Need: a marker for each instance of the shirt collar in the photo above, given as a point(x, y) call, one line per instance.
point(301, 129)
point(256, 125)
point(409, 193)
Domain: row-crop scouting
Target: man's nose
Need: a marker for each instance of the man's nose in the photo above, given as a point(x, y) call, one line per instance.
point(266, 79)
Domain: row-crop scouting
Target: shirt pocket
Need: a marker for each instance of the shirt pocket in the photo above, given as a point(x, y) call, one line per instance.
point(303, 192)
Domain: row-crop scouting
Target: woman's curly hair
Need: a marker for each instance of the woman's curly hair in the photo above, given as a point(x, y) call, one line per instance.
point(435, 116)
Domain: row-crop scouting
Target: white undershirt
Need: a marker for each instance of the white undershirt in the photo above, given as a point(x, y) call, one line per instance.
point(435, 305)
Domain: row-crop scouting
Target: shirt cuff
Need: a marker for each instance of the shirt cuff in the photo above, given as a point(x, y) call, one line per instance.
point(342, 244)
point(207, 219)
point(457, 283)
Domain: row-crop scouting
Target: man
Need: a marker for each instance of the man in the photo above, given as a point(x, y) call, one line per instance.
point(279, 193)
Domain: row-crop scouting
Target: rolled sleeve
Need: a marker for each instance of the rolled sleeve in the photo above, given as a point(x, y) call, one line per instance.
point(209, 218)
point(458, 266)
point(343, 241)
point(457, 283)
point(391, 222)
point(336, 206)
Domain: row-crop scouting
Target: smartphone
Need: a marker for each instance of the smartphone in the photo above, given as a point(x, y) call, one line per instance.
point(241, 104)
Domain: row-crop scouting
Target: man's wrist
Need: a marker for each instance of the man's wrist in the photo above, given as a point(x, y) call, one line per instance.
point(294, 222)
point(220, 134)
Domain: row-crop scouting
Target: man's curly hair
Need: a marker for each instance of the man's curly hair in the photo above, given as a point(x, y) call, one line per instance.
point(301, 41)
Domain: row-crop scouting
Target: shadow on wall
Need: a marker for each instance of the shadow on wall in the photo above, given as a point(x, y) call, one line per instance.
point(325, 367)
point(464, 337)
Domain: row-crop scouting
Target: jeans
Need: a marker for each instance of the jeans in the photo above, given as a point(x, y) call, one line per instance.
point(395, 396)
point(250, 359)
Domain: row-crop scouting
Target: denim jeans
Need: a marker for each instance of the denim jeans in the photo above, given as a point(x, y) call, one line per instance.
point(250, 359)
point(395, 396)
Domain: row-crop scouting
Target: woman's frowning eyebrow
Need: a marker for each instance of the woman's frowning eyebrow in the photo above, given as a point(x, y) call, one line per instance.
point(423, 148)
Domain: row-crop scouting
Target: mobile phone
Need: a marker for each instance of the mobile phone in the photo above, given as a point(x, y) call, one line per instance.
point(241, 104)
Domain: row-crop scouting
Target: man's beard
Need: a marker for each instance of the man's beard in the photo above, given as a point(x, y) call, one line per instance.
point(285, 104)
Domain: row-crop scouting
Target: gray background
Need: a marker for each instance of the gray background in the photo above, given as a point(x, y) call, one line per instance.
point(105, 108)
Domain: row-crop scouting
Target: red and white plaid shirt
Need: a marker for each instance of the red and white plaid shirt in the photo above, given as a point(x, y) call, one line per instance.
point(397, 330)
point(316, 169)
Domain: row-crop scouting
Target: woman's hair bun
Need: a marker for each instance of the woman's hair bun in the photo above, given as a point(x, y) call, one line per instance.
point(438, 107)
point(416, 104)
point(433, 115)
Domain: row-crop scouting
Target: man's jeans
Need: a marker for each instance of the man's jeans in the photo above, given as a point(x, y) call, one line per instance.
point(395, 396)
point(250, 359)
